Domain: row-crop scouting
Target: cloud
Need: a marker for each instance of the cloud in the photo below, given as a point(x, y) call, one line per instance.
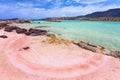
point(29, 10)
point(49, 0)
point(19, 4)
point(80, 10)
point(57, 3)
point(89, 1)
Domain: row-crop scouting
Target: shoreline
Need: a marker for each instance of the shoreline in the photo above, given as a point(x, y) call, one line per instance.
point(107, 19)
point(35, 54)
point(38, 32)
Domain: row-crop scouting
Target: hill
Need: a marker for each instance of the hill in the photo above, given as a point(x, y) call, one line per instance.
point(108, 13)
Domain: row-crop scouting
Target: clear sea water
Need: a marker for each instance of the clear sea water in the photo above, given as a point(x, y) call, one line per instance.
point(106, 34)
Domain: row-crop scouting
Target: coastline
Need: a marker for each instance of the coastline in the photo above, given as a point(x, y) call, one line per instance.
point(35, 54)
point(57, 19)
point(5, 25)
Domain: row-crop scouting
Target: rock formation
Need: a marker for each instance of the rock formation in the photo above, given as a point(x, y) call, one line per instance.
point(98, 49)
point(36, 32)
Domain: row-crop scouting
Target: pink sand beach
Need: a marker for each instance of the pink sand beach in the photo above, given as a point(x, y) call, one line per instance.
point(39, 58)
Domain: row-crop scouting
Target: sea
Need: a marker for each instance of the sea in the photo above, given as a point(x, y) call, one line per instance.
point(103, 33)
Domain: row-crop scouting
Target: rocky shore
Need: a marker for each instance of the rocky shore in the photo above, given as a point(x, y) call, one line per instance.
point(34, 54)
point(31, 32)
point(98, 49)
point(37, 32)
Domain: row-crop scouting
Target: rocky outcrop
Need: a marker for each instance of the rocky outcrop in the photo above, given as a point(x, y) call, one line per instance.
point(20, 30)
point(36, 32)
point(98, 49)
point(87, 46)
point(115, 54)
point(29, 32)
point(2, 25)
point(9, 28)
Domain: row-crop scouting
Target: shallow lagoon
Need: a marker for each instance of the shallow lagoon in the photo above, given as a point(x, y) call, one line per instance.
point(106, 34)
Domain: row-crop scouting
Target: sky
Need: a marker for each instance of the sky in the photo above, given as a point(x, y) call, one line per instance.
point(37, 9)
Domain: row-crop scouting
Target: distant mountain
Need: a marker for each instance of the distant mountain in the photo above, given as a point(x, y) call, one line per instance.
point(108, 13)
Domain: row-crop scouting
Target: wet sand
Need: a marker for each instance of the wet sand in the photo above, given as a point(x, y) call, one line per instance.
point(38, 58)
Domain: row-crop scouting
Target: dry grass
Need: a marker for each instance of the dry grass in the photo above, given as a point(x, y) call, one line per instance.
point(54, 39)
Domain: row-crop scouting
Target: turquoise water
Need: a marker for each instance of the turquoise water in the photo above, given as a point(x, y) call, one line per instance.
point(106, 34)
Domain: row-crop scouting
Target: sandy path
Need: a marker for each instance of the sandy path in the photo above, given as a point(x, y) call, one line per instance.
point(43, 61)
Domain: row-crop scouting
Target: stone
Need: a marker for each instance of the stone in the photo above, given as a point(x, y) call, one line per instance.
point(26, 48)
point(87, 46)
point(20, 30)
point(10, 28)
point(2, 25)
point(50, 35)
point(3, 36)
point(36, 32)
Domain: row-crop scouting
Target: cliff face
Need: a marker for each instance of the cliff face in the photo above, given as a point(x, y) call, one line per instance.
point(108, 13)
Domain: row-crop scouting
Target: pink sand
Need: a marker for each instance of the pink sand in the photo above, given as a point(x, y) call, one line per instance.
point(45, 61)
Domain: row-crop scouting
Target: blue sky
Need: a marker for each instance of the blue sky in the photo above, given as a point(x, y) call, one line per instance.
point(52, 8)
